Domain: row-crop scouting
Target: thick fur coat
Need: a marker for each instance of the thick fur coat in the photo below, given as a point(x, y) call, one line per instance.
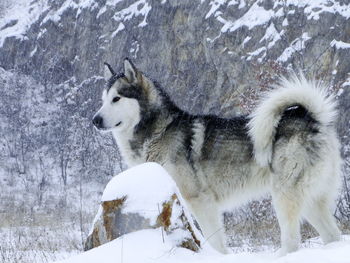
point(287, 147)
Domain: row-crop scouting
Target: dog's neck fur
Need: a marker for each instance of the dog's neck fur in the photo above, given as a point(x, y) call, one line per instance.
point(136, 143)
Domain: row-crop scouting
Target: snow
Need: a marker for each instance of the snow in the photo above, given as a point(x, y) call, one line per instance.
point(121, 27)
point(242, 4)
point(215, 38)
point(102, 11)
point(255, 16)
point(296, 46)
point(87, 4)
point(55, 15)
point(346, 83)
point(135, 48)
point(246, 40)
point(41, 33)
point(141, 246)
point(109, 3)
point(315, 7)
point(271, 36)
point(257, 53)
point(147, 246)
point(340, 44)
point(132, 184)
point(215, 5)
point(22, 14)
point(18, 18)
point(33, 51)
point(233, 2)
point(139, 8)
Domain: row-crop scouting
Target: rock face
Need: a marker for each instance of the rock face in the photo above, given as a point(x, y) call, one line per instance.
point(211, 50)
point(209, 55)
point(126, 207)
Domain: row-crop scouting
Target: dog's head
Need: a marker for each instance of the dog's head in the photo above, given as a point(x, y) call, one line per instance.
point(128, 96)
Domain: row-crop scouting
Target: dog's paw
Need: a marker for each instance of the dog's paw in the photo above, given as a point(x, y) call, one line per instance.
point(284, 251)
point(281, 252)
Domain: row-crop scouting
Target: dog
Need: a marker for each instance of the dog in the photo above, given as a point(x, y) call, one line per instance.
point(287, 147)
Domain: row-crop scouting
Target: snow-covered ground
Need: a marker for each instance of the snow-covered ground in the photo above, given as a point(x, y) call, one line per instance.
point(39, 244)
point(141, 186)
point(147, 246)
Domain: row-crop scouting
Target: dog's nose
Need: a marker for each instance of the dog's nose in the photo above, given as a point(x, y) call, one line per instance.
point(97, 121)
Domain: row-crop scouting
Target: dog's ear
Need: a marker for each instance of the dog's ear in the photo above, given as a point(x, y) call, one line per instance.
point(108, 71)
point(130, 71)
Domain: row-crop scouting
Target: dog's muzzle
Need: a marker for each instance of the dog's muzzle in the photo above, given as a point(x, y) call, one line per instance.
point(98, 121)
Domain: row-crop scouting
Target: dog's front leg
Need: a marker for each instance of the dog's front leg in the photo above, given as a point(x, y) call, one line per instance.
point(209, 218)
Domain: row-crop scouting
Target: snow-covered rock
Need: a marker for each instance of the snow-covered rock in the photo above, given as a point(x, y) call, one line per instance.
point(143, 197)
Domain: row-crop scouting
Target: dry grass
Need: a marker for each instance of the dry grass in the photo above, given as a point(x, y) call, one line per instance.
point(254, 228)
point(45, 239)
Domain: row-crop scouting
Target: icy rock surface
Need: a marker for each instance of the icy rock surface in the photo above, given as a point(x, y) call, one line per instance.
point(143, 197)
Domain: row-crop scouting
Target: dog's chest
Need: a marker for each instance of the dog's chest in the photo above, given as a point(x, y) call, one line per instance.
point(131, 150)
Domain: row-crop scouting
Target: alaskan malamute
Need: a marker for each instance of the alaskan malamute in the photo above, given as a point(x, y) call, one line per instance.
point(287, 147)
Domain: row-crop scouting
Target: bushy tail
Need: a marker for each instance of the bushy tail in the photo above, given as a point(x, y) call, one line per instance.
point(292, 91)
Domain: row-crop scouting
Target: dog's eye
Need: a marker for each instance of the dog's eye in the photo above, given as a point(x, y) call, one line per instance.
point(115, 99)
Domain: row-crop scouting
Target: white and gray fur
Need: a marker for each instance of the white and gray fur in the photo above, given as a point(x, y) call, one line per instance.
point(287, 147)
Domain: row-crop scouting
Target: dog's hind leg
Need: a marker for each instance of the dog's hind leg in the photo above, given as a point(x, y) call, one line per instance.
point(288, 189)
point(208, 217)
point(288, 211)
point(318, 214)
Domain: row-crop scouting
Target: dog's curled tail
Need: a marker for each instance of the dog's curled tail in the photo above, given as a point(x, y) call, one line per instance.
point(289, 92)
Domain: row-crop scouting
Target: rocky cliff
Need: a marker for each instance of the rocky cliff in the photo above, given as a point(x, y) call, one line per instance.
point(212, 51)
point(209, 55)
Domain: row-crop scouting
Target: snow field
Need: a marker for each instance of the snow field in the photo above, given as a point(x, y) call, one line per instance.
point(147, 246)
